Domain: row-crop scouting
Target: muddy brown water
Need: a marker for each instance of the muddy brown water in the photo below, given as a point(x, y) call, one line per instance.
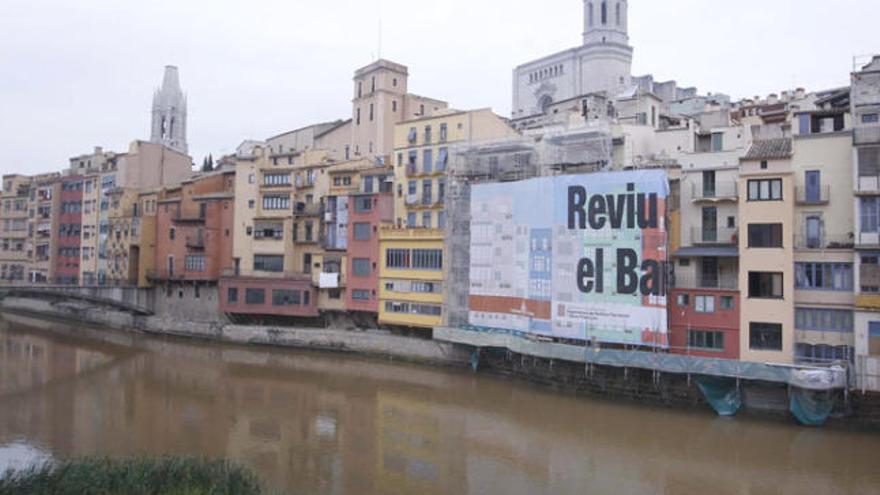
point(321, 423)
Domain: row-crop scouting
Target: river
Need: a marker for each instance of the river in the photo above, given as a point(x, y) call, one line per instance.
point(320, 423)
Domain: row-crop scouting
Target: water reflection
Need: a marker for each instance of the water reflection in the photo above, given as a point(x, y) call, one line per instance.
point(313, 423)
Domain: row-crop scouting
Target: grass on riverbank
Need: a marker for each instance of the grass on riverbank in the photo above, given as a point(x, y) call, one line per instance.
point(139, 476)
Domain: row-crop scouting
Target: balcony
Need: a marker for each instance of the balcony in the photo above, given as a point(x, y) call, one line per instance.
point(812, 196)
point(825, 241)
point(411, 170)
point(867, 185)
point(719, 192)
point(307, 209)
point(250, 274)
point(412, 199)
point(866, 135)
point(714, 237)
point(195, 242)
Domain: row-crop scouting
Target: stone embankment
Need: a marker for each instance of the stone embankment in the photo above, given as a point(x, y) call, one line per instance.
point(370, 343)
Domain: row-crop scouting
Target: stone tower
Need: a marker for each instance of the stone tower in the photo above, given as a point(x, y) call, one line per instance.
point(607, 55)
point(169, 113)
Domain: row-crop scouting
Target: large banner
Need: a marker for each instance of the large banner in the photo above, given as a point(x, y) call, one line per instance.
point(579, 257)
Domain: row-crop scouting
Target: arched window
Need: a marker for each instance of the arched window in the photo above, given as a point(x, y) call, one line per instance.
point(590, 13)
point(617, 13)
point(171, 127)
point(604, 13)
point(545, 102)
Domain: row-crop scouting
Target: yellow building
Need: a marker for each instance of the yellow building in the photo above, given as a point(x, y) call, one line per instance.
point(412, 272)
point(422, 150)
point(123, 244)
point(767, 211)
point(411, 277)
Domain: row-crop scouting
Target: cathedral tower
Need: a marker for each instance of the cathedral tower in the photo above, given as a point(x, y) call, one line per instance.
point(607, 55)
point(169, 113)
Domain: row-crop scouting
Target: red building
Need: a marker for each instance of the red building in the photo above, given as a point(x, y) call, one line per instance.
point(288, 295)
point(194, 232)
point(704, 322)
point(66, 266)
point(367, 214)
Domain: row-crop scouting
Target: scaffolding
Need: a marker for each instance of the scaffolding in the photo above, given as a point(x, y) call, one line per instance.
point(555, 152)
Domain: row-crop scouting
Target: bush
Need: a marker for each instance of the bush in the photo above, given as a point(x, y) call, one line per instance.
point(138, 476)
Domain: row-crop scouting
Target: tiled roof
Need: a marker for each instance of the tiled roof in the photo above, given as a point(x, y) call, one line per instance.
point(769, 149)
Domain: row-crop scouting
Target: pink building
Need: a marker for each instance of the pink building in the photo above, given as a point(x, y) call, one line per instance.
point(66, 266)
point(367, 213)
point(194, 231)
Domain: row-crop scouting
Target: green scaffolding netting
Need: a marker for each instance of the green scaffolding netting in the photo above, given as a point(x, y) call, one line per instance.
point(811, 407)
point(721, 393)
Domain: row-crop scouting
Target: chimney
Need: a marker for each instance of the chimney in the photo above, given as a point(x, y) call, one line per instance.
point(785, 96)
point(800, 93)
point(773, 99)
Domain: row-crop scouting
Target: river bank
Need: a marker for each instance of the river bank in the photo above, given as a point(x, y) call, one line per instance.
point(669, 390)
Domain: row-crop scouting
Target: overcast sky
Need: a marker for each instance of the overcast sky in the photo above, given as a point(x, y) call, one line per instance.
point(76, 74)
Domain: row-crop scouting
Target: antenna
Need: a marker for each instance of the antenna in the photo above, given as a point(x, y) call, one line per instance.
point(380, 35)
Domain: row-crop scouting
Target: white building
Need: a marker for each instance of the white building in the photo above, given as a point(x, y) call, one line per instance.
point(602, 64)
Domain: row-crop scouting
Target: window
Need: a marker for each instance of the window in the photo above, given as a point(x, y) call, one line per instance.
point(255, 296)
point(427, 133)
point(268, 263)
point(717, 141)
point(869, 214)
point(360, 295)
point(363, 204)
point(411, 219)
point(276, 202)
point(444, 132)
point(704, 304)
point(269, 230)
point(825, 320)
point(765, 235)
point(362, 231)
point(411, 187)
point(824, 276)
point(361, 267)
point(727, 303)
point(706, 340)
point(426, 192)
point(442, 158)
point(171, 233)
point(195, 263)
point(309, 231)
point(427, 161)
point(869, 161)
point(765, 190)
point(371, 112)
point(282, 297)
point(765, 336)
point(397, 258)
point(357, 117)
point(252, 178)
point(765, 285)
point(232, 295)
point(683, 300)
point(411, 135)
point(427, 259)
point(276, 180)
point(870, 118)
point(251, 204)
point(426, 219)
point(441, 219)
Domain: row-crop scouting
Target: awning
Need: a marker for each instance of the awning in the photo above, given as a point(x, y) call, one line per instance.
point(708, 251)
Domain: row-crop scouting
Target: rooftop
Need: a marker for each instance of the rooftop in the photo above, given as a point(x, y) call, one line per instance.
point(769, 149)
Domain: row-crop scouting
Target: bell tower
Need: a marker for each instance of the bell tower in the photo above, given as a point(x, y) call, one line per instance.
point(169, 113)
point(606, 21)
